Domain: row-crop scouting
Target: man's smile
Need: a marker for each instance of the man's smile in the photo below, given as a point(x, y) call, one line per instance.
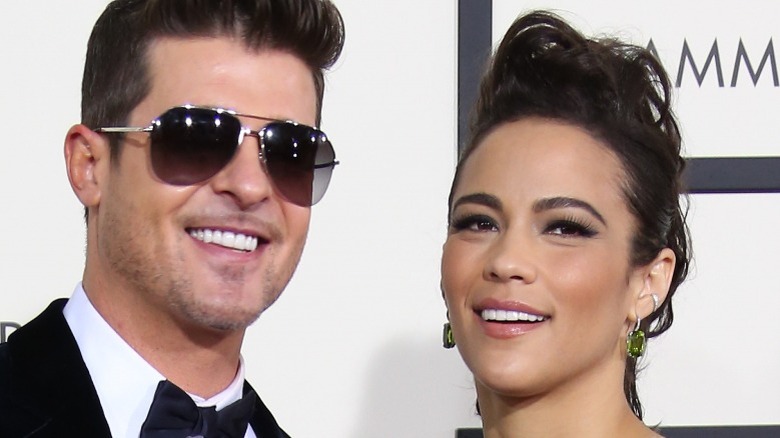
point(227, 239)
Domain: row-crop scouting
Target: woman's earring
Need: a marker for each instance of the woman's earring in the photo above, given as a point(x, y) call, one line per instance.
point(448, 341)
point(655, 301)
point(636, 342)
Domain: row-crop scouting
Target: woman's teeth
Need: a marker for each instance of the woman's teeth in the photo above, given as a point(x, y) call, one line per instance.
point(226, 239)
point(510, 315)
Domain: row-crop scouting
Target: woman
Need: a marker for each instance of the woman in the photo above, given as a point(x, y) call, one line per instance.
point(566, 238)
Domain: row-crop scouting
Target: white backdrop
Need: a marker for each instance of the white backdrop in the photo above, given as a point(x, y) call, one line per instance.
point(352, 349)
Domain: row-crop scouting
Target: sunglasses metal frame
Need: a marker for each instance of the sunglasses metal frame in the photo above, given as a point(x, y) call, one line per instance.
point(244, 131)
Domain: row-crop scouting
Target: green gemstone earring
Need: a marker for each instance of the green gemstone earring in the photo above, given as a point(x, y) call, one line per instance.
point(448, 340)
point(636, 341)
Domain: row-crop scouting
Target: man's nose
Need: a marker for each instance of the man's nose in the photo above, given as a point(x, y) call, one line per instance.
point(244, 178)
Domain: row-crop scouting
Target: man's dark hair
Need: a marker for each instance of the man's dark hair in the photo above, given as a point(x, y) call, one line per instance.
point(621, 95)
point(116, 73)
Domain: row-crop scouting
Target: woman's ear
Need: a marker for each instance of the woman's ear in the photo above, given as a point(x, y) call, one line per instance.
point(656, 280)
point(87, 158)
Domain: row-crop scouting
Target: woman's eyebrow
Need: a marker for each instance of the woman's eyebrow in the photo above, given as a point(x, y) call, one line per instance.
point(565, 202)
point(479, 198)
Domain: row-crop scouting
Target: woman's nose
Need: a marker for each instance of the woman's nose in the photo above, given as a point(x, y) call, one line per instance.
point(510, 258)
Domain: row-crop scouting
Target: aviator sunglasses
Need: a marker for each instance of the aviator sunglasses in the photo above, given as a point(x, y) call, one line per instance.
point(190, 144)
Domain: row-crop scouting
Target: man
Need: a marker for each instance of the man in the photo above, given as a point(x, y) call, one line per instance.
point(197, 190)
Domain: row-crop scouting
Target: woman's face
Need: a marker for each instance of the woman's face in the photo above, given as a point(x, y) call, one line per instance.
point(535, 269)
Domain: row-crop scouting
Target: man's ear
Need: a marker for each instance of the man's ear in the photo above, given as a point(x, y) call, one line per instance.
point(87, 158)
point(656, 279)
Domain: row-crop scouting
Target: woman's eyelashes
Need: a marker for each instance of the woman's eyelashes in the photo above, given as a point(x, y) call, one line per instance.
point(567, 227)
point(570, 227)
point(473, 222)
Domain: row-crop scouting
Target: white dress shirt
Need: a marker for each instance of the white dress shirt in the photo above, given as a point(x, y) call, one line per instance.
point(124, 381)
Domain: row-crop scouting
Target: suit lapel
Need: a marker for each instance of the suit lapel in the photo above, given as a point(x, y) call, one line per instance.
point(50, 392)
point(262, 422)
point(49, 381)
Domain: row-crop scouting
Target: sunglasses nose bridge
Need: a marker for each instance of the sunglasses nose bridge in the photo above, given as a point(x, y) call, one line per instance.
point(247, 132)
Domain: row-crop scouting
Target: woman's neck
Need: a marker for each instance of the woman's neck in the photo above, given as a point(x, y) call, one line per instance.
point(589, 405)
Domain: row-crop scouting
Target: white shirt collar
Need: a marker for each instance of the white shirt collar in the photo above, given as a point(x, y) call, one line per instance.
point(124, 381)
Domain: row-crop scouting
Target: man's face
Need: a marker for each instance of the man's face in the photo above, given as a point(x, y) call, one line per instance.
point(144, 228)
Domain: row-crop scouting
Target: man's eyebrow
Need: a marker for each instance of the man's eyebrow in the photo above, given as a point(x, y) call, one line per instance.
point(566, 202)
point(479, 198)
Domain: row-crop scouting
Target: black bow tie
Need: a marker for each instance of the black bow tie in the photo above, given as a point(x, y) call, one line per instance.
point(173, 414)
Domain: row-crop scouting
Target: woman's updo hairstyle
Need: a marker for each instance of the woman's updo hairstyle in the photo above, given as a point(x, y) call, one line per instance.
point(621, 95)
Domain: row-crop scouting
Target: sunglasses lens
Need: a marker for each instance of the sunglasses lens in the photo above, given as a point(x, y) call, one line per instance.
point(190, 145)
point(324, 163)
point(299, 160)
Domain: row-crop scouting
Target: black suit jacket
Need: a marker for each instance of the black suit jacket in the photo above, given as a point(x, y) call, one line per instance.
point(46, 390)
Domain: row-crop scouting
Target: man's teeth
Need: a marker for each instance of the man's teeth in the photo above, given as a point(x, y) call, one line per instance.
point(510, 315)
point(227, 239)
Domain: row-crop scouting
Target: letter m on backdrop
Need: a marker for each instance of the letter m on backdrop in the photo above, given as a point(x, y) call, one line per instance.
point(769, 55)
point(687, 56)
